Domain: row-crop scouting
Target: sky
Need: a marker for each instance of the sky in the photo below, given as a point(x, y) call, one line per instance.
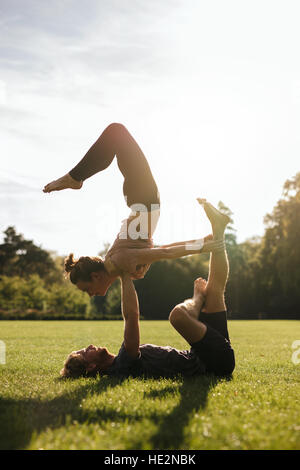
point(209, 89)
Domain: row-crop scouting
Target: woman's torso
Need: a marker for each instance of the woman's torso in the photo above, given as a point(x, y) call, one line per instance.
point(135, 234)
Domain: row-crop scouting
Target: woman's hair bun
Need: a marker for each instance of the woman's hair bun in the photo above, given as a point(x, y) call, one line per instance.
point(81, 269)
point(69, 263)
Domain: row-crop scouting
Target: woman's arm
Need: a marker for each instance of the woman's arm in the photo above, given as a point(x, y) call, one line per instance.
point(150, 255)
point(179, 243)
point(136, 261)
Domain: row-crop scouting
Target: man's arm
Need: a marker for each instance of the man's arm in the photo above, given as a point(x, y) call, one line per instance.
point(131, 314)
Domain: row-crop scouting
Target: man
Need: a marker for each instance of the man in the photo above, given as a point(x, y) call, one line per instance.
point(201, 321)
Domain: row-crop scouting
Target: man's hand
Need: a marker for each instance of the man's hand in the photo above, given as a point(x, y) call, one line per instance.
point(140, 272)
point(213, 246)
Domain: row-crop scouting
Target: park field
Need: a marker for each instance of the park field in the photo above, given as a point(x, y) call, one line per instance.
point(258, 409)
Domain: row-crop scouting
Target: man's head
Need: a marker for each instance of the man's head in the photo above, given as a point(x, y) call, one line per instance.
point(87, 362)
point(88, 274)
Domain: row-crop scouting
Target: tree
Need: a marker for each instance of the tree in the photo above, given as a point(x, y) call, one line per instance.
point(21, 257)
point(281, 250)
point(168, 283)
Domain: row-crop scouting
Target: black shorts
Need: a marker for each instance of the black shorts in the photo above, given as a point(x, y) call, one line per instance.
point(214, 349)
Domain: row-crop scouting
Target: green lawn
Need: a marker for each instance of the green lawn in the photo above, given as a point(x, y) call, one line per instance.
point(258, 409)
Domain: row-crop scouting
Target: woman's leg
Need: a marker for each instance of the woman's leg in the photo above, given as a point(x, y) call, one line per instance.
point(139, 185)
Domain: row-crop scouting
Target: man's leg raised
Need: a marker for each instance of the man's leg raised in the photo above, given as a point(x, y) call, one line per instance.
point(218, 265)
point(208, 296)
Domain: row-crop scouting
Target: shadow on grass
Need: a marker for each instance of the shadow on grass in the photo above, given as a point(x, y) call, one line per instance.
point(171, 426)
point(23, 418)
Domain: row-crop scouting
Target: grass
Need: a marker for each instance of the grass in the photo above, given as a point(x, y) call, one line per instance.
point(258, 409)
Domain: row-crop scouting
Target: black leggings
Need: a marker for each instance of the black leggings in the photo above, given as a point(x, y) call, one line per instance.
point(139, 185)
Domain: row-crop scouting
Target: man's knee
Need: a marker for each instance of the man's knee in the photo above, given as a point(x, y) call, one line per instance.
point(177, 314)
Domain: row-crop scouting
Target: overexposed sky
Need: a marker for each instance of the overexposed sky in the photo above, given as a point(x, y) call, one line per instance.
point(209, 89)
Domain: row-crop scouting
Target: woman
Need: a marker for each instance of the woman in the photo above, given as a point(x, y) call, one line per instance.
point(133, 250)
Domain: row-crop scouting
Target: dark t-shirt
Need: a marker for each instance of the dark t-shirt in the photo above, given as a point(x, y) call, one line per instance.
point(156, 361)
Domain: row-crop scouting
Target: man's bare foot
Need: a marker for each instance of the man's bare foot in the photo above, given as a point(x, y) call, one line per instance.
point(200, 290)
point(63, 183)
point(218, 220)
point(195, 304)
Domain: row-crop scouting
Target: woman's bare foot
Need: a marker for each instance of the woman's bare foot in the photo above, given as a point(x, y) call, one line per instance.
point(218, 220)
point(63, 183)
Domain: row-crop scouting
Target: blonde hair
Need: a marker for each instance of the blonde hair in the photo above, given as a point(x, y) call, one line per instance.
point(81, 269)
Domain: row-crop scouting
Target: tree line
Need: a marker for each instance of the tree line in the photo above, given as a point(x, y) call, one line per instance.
point(264, 279)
